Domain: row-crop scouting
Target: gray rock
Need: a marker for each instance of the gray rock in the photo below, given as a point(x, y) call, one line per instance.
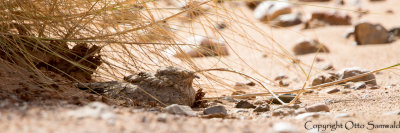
point(219, 109)
point(367, 33)
point(350, 72)
point(309, 46)
point(262, 108)
point(320, 107)
point(324, 78)
point(244, 104)
point(180, 110)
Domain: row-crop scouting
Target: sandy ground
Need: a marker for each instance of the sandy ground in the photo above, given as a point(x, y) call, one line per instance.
point(363, 106)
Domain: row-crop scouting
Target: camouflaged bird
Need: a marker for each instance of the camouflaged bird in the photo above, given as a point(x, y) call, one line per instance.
point(169, 85)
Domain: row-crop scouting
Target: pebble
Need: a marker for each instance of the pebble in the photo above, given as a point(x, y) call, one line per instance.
point(310, 114)
point(283, 112)
point(327, 67)
point(259, 102)
point(244, 104)
point(241, 86)
point(286, 98)
point(332, 90)
point(367, 33)
point(229, 99)
point(205, 47)
point(350, 72)
point(323, 78)
point(358, 86)
point(262, 108)
point(281, 77)
point(287, 20)
point(342, 115)
point(309, 46)
point(283, 83)
point(241, 110)
point(269, 10)
point(162, 118)
point(320, 107)
point(331, 18)
point(219, 109)
point(180, 110)
point(284, 127)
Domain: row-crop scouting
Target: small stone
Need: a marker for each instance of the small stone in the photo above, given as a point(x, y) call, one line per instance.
point(332, 90)
point(180, 110)
point(241, 110)
point(317, 108)
point(331, 18)
point(324, 78)
point(281, 77)
point(283, 83)
point(287, 20)
point(340, 2)
point(162, 118)
point(358, 86)
point(327, 67)
point(251, 84)
point(259, 102)
point(309, 46)
point(252, 4)
point(229, 99)
point(244, 104)
point(342, 115)
point(310, 114)
point(262, 108)
point(283, 112)
point(205, 47)
point(394, 33)
point(373, 87)
point(350, 72)
point(346, 91)
point(284, 127)
point(367, 33)
point(241, 86)
point(286, 98)
point(269, 10)
point(238, 92)
point(219, 109)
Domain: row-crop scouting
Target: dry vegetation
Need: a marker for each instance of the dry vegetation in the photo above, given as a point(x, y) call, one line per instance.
point(48, 45)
